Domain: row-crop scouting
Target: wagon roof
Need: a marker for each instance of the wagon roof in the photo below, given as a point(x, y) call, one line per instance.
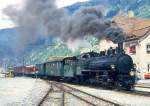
point(53, 61)
point(90, 53)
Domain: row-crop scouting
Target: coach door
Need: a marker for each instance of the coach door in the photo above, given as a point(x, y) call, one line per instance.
point(69, 68)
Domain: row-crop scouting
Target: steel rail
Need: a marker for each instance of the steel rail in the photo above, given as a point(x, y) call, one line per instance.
point(134, 92)
point(45, 96)
point(140, 86)
point(139, 93)
point(80, 91)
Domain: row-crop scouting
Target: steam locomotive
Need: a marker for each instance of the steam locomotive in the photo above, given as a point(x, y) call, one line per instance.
point(114, 68)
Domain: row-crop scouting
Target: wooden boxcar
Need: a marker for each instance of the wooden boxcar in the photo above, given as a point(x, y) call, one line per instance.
point(19, 70)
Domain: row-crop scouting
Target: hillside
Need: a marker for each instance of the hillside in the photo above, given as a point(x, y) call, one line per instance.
point(111, 8)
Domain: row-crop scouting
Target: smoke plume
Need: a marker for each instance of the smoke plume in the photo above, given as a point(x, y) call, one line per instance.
point(90, 21)
point(74, 45)
point(35, 19)
point(42, 17)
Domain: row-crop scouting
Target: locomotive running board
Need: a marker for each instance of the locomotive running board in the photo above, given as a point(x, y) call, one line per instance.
point(94, 70)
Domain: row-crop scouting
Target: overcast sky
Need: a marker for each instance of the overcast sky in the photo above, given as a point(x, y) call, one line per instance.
point(6, 23)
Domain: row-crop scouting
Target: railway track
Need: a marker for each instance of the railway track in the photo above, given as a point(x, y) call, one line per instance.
point(142, 89)
point(140, 93)
point(77, 94)
point(47, 99)
point(71, 92)
point(143, 86)
point(132, 92)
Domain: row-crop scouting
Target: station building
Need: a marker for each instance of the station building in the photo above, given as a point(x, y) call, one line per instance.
point(137, 43)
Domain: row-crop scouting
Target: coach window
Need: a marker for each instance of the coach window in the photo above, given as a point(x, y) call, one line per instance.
point(148, 48)
point(132, 49)
point(58, 64)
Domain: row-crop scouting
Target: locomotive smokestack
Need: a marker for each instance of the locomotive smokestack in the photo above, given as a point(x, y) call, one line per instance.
point(120, 47)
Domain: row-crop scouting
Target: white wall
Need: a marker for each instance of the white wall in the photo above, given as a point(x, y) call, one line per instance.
point(144, 56)
point(141, 58)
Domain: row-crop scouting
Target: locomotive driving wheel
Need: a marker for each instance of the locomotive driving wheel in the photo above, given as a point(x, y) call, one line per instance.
point(129, 87)
point(118, 85)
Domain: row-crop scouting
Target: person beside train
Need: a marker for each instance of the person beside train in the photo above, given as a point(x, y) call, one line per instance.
point(139, 71)
point(110, 52)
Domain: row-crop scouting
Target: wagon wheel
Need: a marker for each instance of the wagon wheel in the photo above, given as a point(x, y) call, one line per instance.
point(128, 87)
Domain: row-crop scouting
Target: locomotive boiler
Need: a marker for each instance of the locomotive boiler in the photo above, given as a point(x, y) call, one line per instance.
point(121, 62)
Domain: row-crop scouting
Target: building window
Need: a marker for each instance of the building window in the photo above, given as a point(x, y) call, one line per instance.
point(148, 67)
point(132, 49)
point(148, 48)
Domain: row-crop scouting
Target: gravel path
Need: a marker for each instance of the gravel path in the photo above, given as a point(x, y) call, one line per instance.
point(21, 91)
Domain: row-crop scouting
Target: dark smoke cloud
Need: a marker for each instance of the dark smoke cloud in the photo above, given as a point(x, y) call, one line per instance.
point(42, 17)
point(90, 21)
point(115, 34)
point(35, 19)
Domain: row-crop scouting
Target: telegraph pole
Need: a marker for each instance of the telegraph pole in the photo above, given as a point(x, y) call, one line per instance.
point(23, 64)
point(95, 2)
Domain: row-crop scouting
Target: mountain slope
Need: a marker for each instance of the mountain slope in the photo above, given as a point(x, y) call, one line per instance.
point(36, 54)
point(111, 8)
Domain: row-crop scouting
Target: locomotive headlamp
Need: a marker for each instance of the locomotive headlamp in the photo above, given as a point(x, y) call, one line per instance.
point(112, 66)
point(132, 73)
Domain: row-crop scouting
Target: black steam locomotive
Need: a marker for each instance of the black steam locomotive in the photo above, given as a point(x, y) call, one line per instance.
point(114, 69)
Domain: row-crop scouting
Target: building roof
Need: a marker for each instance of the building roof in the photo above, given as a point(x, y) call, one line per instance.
point(134, 27)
